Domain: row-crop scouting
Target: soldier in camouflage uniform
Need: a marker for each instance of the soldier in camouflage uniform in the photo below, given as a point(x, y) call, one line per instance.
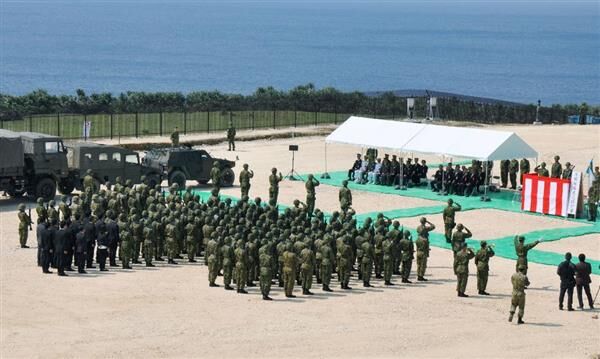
point(448, 216)
point(289, 270)
point(422, 245)
point(462, 269)
point(524, 168)
point(327, 262)
point(388, 260)
point(241, 267)
point(228, 262)
point(345, 197)
point(274, 180)
point(126, 241)
point(307, 260)
point(175, 137)
point(556, 170)
point(266, 274)
point(211, 254)
point(520, 282)
point(149, 241)
point(24, 224)
point(407, 256)
point(244, 177)
point(231, 136)
point(215, 177)
point(310, 185)
point(521, 250)
point(482, 259)
point(513, 169)
point(367, 262)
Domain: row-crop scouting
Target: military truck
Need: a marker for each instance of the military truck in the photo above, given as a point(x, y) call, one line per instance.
point(33, 163)
point(107, 163)
point(180, 164)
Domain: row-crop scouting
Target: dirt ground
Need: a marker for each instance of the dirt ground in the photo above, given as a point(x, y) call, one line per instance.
point(169, 311)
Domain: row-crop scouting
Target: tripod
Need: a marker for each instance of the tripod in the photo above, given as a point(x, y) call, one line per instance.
point(292, 172)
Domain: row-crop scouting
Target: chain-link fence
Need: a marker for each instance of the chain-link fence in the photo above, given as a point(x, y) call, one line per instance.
point(71, 126)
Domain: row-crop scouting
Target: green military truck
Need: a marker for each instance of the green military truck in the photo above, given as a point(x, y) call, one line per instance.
point(107, 163)
point(180, 164)
point(34, 164)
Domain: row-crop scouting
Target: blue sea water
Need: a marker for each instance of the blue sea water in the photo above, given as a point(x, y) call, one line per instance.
point(512, 50)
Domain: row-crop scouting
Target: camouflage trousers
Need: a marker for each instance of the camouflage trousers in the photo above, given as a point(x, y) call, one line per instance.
point(387, 268)
point(461, 282)
point(344, 272)
point(148, 251)
point(521, 261)
point(406, 266)
point(245, 190)
point(265, 280)
point(241, 276)
point(273, 194)
point(517, 301)
point(191, 247)
point(482, 279)
point(421, 264)
point(126, 249)
point(23, 233)
point(280, 274)
point(378, 264)
point(227, 273)
point(326, 273)
point(307, 277)
point(366, 269)
point(171, 248)
point(289, 276)
point(310, 205)
point(212, 269)
point(448, 227)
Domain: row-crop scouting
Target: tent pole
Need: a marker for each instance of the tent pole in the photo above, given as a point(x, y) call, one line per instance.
point(325, 175)
point(486, 184)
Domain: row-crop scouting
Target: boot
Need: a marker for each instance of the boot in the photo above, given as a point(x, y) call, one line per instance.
point(520, 321)
point(387, 282)
point(308, 292)
point(213, 285)
point(192, 261)
point(327, 289)
point(150, 265)
point(24, 246)
point(250, 284)
point(266, 297)
point(228, 287)
point(82, 272)
point(290, 296)
point(422, 279)
point(242, 291)
point(159, 259)
point(366, 285)
point(510, 316)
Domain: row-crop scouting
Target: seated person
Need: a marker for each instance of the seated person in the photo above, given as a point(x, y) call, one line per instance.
point(458, 185)
point(424, 170)
point(385, 170)
point(415, 174)
point(373, 176)
point(394, 171)
point(438, 177)
point(360, 175)
point(471, 180)
point(354, 168)
point(448, 179)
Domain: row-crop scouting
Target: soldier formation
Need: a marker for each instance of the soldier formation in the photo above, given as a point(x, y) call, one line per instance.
point(249, 241)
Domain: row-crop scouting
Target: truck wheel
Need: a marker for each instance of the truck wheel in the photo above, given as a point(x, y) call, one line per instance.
point(66, 187)
point(177, 177)
point(45, 188)
point(227, 177)
point(153, 180)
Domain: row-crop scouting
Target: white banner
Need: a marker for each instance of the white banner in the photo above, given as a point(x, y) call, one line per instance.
point(574, 192)
point(87, 127)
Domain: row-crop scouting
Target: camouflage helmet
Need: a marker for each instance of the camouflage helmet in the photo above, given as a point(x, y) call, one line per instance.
point(51, 203)
point(460, 226)
point(75, 199)
point(423, 220)
point(273, 170)
point(345, 183)
point(129, 183)
point(521, 238)
point(557, 157)
point(21, 207)
point(40, 201)
point(89, 171)
point(450, 201)
point(483, 243)
point(568, 164)
point(118, 180)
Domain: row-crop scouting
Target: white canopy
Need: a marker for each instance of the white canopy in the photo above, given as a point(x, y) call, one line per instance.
point(432, 139)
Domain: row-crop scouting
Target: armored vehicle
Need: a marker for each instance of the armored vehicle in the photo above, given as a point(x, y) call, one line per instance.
point(107, 163)
point(185, 163)
point(33, 163)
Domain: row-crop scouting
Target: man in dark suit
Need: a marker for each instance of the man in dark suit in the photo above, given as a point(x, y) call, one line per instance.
point(60, 250)
point(566, 272)
point(80, 251)
point(583, 280)
point(355, 167)
point(45, 246)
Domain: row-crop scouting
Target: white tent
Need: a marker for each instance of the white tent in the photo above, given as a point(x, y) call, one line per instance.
point(449, 141)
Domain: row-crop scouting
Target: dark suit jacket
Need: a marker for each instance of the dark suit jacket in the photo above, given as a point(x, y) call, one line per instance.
point(566, 272)
point(583, 271)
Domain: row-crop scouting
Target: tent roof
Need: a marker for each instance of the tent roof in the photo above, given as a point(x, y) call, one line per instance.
point(432, 139)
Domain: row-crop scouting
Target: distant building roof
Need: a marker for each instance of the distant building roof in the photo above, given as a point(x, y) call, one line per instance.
point(445, 95)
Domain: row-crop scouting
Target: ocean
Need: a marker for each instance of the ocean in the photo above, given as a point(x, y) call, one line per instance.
point(510, 50)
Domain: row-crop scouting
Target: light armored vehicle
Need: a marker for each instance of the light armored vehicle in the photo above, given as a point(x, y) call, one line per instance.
point(184, 163)
point(107, 163)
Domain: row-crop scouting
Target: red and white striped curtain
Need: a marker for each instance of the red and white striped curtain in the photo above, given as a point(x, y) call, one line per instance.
point(545, 195)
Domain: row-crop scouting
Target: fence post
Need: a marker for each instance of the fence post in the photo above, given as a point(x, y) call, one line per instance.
point(295, 118)
point(207, 121)
point(84, 127)
point(58, 124)
point(316, 113)
point(160, 126)
point(273, 118)
point(185, 122)
point(137, 125)
point(30, 124)
point(252, 116)
point(111, 126)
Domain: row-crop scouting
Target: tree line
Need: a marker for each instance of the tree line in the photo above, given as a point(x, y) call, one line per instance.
point(301, 98)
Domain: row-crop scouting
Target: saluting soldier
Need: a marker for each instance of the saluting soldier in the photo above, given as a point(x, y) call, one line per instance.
point(556, 168)
point(422, 244)
point(345, 196)
point(231, 136)
point(448, 216)
point(524, 168)
point(175, 137)
point(310, 185)
point(274, 180)
point(482, 259)
point(244, 177)
point(462, 269)
point(521, 250)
